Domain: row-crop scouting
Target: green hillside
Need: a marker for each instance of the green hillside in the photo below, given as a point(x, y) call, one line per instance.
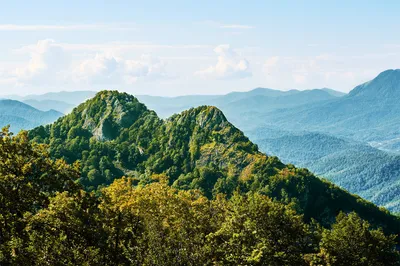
point(197, 192)
point(47, 219)
point(114, 135)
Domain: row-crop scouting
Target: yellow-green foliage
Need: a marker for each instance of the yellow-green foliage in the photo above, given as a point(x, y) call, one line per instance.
point(46, 219)
point(159, 225)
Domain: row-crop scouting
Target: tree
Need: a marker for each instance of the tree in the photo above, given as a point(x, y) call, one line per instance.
point(27, 178)
point(258, 231)
point(156, 224)
point(352, 242)
point(68, 232)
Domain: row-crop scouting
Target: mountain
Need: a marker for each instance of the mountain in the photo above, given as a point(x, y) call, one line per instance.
point(357, 167)
point(386, 86)
point(70, 97)
point(167, 106)
point(57, 223)
point(264, 103)
point(46, 105)
point(334, 92)
point(22, 116)
point(339, 139)
point(369, 113)
point(114, 134)
point(260, 99)
point(234, 104)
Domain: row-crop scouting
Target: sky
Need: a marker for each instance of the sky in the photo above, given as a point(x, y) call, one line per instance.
point(171, 48)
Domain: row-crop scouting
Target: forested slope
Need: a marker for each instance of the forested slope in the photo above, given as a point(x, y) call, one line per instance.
point(114, 135)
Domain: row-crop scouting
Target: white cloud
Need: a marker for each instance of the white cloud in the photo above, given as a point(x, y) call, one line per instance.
point(47, 61)
point(147, 66)
point(292, 70)
point(15, 27)
point(229, 65)
point(100, 69)
point(108, 69)
point(50, 65)
point(324, 70)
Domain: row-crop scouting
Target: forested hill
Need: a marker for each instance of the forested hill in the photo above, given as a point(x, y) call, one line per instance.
point(114, 135)
point(361, 169)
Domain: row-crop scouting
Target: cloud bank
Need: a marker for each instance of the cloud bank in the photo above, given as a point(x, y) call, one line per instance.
point(49, 64)
point(229, 65)
point(108, 69)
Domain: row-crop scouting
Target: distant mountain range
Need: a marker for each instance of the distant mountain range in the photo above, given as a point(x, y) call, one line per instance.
point(27, 112)
point(233, 104)
point(46, 105)
point(251, 103)
point(369, 113)
point(22, 116)
point(358, 167)
point(62, 102)
point(71, 97)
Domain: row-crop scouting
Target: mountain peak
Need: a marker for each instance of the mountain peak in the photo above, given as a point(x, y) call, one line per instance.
point(205, 116)
point(385, 86)
point(107, 113)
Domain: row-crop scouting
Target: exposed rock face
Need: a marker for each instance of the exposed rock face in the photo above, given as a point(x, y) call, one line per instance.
point(109, 112)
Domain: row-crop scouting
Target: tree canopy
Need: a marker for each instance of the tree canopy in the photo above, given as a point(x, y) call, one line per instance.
point(197, 192)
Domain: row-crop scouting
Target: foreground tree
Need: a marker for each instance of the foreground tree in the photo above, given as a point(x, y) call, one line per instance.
point(156, 224)
point(258, 231)
point(352, 242)
point(68, 232)
point(27, 178)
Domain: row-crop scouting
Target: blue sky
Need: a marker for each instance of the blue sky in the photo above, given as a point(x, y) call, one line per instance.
point(194, 47)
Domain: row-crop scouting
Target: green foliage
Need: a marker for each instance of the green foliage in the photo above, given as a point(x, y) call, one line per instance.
point(159, 225)
point(351, 242)
point(113, 135)
point(46, 219)
point(258, 231)
point(28, 177)
point(67, 232)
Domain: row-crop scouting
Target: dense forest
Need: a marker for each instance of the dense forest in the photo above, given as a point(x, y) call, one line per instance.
point(48, 219)
point(196, 192)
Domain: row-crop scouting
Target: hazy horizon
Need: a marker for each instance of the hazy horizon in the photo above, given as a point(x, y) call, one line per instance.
point(154, 95)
